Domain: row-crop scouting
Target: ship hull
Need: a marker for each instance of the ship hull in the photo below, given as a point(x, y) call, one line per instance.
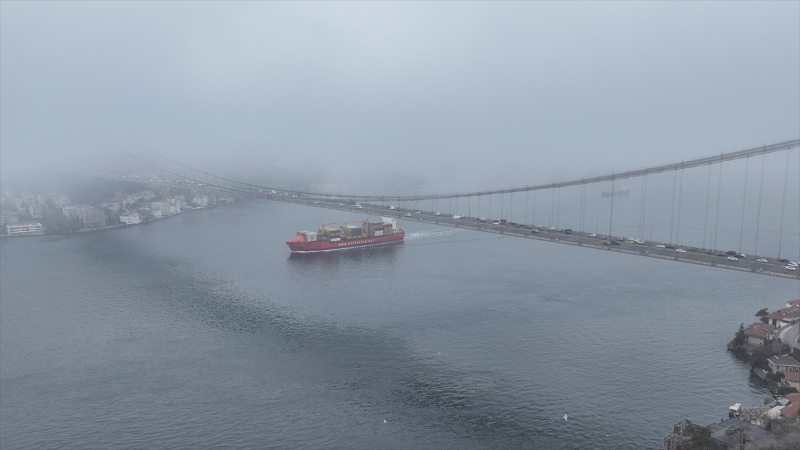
point(302, 246)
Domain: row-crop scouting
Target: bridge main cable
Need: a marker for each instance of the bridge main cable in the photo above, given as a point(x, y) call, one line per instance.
point(708, 160)
point(722, 157)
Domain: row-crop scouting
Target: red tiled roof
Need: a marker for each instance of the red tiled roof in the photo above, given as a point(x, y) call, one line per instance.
point(794, 397)
point(759, 329)
point(791, 410)
point(793, 302)
point(792, 376)
point(792, 311)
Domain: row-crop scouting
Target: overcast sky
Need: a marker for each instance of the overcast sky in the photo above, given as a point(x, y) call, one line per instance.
point(473, 94)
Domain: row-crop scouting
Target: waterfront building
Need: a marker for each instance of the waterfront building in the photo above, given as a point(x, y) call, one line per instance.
point(24, 229)
point(70, 211)
point(131, 218)
point(791, 410)
point(718, 432)
point(162, 206)
point(783, 363)
point(792, 379)
point(758, 334)
point(782, 317)
point(92, 217)
point(200, 200)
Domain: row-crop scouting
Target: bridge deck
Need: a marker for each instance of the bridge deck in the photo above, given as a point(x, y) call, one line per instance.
point(649, 249)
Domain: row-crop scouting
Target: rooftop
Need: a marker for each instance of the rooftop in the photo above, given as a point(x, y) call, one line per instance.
point(759, 329)
point(792, 376)
point(718, 431)
point(783, 360)
point(793, 407)
point(790, 312)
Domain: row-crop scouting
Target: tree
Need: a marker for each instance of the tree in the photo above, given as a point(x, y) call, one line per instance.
point(739, 432)
point(739, 339)
point(762, 312)
point(759, 358)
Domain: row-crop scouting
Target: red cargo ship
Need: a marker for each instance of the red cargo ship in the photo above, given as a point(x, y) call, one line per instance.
point(355, 233)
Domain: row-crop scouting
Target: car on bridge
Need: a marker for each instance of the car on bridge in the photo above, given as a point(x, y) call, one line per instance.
point(437, 214)
point(417, 212)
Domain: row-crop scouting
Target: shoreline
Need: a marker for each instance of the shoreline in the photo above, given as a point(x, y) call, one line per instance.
point(119, 225)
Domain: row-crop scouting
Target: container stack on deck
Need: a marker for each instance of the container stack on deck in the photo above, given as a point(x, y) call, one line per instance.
point(352, 230)
point(354, 233)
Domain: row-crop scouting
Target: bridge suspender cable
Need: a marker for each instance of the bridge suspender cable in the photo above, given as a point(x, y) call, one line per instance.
point(783, 205)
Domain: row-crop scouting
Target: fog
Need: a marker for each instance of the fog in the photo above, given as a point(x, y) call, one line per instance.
point(453, 95)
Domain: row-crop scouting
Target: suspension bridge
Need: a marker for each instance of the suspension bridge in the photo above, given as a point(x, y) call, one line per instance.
point(714, 210)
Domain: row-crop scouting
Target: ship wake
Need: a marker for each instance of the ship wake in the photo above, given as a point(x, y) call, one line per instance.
point(436, 232)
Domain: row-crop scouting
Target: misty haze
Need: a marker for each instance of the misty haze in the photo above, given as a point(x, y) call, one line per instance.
point(399, 225)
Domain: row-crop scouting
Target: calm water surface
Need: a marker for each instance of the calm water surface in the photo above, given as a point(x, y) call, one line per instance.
point(201, 331)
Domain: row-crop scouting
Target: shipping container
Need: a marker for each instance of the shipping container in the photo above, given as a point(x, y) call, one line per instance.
point(379, 233)
point(353, 230)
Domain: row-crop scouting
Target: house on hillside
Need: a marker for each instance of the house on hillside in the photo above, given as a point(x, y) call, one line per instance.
point(758, 334)
point(784, 316)
point(792, 379)
point(783, 363)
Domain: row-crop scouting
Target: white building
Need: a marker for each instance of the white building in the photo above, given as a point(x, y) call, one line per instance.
point(24, 229)
point(111, 205)
point(70, 211)
point(130, 218)
point(35, 211)
point(92, 217)
point(61, 200)
point(200, 200)
point(162, 206)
